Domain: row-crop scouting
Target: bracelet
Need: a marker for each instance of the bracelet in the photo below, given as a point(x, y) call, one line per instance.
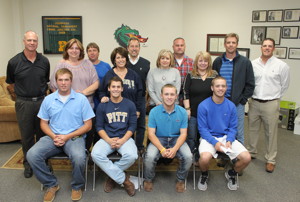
point(188, 108)
point(161, 151)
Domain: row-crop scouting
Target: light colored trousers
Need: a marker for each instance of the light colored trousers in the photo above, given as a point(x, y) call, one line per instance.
point(268, 114)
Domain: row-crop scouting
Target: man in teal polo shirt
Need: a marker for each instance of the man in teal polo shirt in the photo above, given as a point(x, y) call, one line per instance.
point(167, 132)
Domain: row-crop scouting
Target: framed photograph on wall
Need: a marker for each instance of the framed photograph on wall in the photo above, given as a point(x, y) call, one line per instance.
point(244, 52)
point(215, 44)
point(294, 53)
point(58, 30)
point(274, 33)
point(275, 15)
point(290, 32)
point(258, 34)
point(291, 15)
point(280, 52)
point(259, 16)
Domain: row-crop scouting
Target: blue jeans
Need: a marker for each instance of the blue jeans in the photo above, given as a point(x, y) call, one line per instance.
point(115, 170)
point(240, 127)
point(153, 154)
point(191, 139)
point(45, 149)
point(140, 129)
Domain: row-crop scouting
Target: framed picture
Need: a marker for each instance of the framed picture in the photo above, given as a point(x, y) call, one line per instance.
point(290, 32)
point(58, 30)
point(280, 52)
point(291, 15)
point(258, 34)
point(215, 44)
point(294, 53)
point(244, 52)
point(274, 33)
point(259, 16)
point(275, 15)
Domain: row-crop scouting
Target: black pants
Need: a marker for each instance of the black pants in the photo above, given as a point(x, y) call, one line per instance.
point(29, 123)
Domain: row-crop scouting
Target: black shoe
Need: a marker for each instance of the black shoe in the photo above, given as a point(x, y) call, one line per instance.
point(27, 171)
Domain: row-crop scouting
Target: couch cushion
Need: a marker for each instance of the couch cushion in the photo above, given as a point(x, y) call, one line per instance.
point(6, 102)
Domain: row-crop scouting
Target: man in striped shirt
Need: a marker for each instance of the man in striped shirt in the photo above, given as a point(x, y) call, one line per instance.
point(238, 72)
point(182, 62)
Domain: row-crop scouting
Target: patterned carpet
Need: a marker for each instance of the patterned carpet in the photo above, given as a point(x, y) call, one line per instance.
point(16, 162)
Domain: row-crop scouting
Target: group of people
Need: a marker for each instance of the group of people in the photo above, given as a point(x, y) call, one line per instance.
point(188, 100)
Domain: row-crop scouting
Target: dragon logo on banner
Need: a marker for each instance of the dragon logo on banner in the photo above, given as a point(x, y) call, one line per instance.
point(123, 33)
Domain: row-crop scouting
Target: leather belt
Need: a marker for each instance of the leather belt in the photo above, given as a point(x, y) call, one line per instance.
point(263, 101)
point(34, 99)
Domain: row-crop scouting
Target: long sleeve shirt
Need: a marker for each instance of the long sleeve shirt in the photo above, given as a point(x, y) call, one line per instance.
point(271, 79)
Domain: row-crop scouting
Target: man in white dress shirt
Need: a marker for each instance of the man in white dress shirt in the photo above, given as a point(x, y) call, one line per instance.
point(272, 79)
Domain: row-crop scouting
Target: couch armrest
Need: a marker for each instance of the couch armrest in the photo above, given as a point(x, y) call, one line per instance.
point(8, 113)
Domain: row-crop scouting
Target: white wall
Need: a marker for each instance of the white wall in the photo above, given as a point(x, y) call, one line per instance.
point(7, 47)
point(154, 19)
point(160, 20)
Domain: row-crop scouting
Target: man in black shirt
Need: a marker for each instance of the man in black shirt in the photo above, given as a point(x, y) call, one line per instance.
point(141, 66)
point(29, 72)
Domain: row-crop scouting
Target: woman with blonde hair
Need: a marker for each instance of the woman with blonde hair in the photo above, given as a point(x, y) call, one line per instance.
point(196, 88)
point(165, 73)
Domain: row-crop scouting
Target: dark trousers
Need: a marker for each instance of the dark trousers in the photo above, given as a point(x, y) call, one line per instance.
point(140, 130)
point(29, 123)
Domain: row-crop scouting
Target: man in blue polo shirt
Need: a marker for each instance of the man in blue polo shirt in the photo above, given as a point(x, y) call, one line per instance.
point(167, 131)
point(65, 118)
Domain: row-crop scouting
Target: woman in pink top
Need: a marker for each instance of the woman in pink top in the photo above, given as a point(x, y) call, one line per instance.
point(85, 78)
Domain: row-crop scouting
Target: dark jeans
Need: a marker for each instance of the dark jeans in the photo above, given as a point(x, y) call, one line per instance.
point(140, 130)
point(29, 123)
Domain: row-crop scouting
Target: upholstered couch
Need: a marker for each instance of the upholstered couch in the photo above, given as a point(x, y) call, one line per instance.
point(9, 129)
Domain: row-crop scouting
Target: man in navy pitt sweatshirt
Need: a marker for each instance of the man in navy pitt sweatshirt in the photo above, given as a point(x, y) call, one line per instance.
point(116, 122)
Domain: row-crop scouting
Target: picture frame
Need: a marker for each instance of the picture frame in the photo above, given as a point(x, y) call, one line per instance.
point(291, 15)
point(215, 44)
point(58, 30)
point(244, 52)
point(258, 34)
point(280, 52)
point(274, 15)
point(294, 53)
point(290, 32)
point(274, 32)
point(259, 16)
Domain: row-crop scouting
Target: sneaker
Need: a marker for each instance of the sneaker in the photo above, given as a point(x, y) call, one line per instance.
point(109, 185)
point(129, 186)
point(76, 195)
point(50, 193)
point(180, 186)
point(202, 183)
point(148, 186)
point(27, 170)
point(232, 181)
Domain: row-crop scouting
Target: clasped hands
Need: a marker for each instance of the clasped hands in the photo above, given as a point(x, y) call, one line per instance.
point(60, 140)
point(168, 153)
point(116, 143)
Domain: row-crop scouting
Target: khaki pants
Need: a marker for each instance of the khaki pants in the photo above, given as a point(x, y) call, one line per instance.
point(266, 113)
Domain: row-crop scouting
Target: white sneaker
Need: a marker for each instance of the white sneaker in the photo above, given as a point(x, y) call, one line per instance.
point(232, 181)
point(202, 183)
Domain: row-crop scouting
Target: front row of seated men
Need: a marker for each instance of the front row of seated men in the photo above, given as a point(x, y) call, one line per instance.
point(66, 117)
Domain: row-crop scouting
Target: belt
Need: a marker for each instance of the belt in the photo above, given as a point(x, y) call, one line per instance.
point(34, 99)
point(264, 101)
